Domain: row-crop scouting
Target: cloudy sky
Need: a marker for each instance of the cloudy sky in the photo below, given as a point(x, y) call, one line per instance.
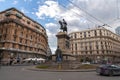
point(79, 14)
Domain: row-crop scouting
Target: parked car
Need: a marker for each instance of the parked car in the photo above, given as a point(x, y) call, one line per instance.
point(108, 70)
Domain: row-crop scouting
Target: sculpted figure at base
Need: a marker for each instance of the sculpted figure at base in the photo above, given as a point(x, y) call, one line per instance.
point(58, 54)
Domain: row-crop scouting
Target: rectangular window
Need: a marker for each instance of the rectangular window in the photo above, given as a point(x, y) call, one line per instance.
point(101, 43)
point(72, 47)
point(84, 34)
point(0, 37)
point(5, 37)
point(96, 46)
point(101, 46)
point(20, 40)
point(89, 34)
point(97, 52)
point(85, 47)
point(31, 49)
point(15, 32)
point(21, 34)
point(31, 43)
point(103, 52)
point(28, 22)
point(25, 47)
point(13, 45)
point(3, 44)
point(90, 47)
point(0, 45)
point(90, 43)
point(95, 33)
point(0, 31)
point(90, 52)
point(96, 42)
point(14, 38)
point(67, 44)
point(76, 46)
point(86, 52)
point(31, 36)
point(75, 35)
point(25, 41)
point(6, 30)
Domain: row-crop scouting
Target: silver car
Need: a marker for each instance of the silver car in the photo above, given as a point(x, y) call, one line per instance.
point(108, 70)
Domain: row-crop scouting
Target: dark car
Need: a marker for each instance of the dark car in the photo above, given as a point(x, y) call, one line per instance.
point(108, 70)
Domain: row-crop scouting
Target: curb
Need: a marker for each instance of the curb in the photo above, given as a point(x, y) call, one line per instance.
point(53, 70)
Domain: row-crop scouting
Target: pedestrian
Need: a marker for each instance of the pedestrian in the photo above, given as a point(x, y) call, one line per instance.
point(0, 61)
point(36, 61)
point(11, 61)
point(18, 60)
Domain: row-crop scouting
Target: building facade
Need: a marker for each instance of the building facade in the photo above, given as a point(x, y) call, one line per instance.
point(95, 45)
point(21, 36)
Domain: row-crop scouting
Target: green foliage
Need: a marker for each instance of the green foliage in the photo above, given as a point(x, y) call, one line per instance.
point(42, 66)
point(87, 66)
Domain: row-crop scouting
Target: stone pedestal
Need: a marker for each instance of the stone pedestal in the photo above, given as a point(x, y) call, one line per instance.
point(64, 45)
point(63, 41)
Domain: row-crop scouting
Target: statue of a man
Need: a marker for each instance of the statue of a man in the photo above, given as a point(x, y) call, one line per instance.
point(58, 54)
point(63, 25)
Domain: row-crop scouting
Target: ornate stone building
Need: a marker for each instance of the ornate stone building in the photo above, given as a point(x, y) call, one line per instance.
point(21, 36)
point(95, 45)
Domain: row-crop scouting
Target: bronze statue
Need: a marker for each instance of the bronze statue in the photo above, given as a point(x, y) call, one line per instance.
point(58, 54)
point(63, 25)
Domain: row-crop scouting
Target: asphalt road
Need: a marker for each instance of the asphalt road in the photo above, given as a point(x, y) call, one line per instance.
point(21, 73)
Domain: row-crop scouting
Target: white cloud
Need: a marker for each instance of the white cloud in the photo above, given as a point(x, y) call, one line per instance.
point(104, 10)
point(53, 49)
point(115, 23)
point(40, 2)
point(51, 25)
point(50, 9)
point(51, 40)
point(32, 13)
point(24, 10)
point(53, 10)
point(15, 2)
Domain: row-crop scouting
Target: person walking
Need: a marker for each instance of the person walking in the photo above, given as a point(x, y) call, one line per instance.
point(11, 61)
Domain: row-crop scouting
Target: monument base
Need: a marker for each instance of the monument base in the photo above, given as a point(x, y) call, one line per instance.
point(64, 45)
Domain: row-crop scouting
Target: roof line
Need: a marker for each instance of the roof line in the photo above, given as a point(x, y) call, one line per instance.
point(23, 15)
